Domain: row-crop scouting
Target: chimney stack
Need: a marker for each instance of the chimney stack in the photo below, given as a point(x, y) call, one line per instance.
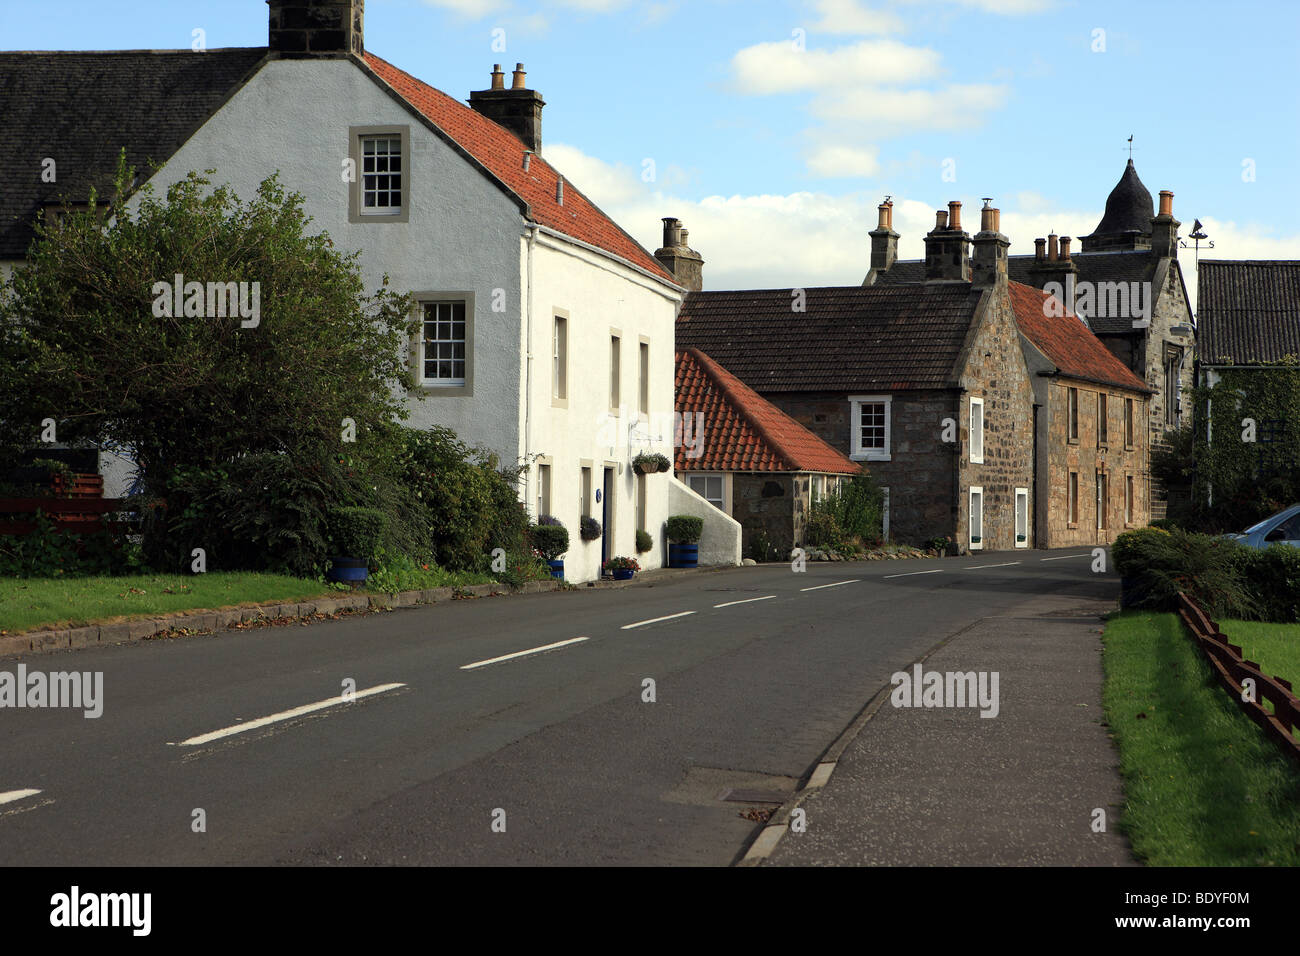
point(1164, 228)
point(947, 248)
point(989, 260)
point(1065, 247)
point(884, 243)
point(304, 28)
point(1052, 248)
point(1040, 250)
point(1056, 266)
point(686, 265)
point(518, 109)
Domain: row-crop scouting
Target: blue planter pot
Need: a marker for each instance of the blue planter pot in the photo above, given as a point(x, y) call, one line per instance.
point(348, 570)
point(683, 555)
point(557, 569)
point(623, 574)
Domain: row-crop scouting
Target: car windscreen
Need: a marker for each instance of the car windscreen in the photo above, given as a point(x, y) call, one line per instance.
point(1261, 526)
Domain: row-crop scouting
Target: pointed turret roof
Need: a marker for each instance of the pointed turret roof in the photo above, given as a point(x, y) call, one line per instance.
point(1128, 207)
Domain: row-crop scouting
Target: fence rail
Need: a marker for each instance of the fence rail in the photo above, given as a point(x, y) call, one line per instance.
point(1233, 670)
point(80, 508)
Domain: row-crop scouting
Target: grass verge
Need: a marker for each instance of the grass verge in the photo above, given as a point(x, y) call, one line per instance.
point(26, 603)
point(1276, 647)
point(1203, 785)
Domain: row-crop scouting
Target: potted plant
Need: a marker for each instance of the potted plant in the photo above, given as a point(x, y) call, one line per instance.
point(551, 539)
point(589, 528)
point(622, 568)
point(645, 464)
point(664, 462)
point(354, 534)
point(644, 542)
point(683, 533)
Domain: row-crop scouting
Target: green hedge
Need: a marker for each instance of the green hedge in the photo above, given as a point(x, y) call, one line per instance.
point(1228, 579)
point(684, 529)
point(552, 540)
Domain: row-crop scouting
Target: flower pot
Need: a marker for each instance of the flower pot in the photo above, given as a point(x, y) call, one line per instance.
point(347, 570)
point(623, 574)
point(683, 555)
point(557, 569)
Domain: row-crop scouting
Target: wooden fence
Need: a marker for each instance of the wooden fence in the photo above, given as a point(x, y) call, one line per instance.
point(78, 508)
point(1233, 671)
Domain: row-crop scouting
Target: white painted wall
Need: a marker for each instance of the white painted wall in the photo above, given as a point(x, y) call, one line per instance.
point(598, 294)
point(462, 234)
point(720, 541)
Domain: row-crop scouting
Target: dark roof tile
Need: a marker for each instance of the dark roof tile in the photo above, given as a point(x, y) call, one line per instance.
point(1248, 311)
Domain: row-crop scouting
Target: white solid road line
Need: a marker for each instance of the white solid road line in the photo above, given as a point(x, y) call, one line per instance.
point(835, 585)
point(13, 795)
point(531, 650)
point(1086, 554)
point(746, 601)
point(285, 715)
point(910, 573)
point(654, 620)
point(980, 567)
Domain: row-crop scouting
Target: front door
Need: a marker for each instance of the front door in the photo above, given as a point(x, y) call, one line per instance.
point(607, 517)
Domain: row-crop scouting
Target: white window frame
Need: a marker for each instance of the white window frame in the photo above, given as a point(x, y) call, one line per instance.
point(543, 489)
point(560, 359)
point(855, 425)
point(1102, 494)
point(464, 382)
point(357, 210)
point(976, 456)
point(1022, 494)
point(1130, 496)
point(970, 516)
point(722, 478)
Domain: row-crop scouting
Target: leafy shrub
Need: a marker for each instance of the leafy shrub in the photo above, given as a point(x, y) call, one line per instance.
point(684, 529)
point(1273, 575)
point(1161, 564)
point(941, 544)
point(589, 528)
point(823, 530)
point(356, 532)
point(858, 508)
point(522, 566)
point(552, 540)
point(664, 462)
point(622, 564)
point(644, 542)
point(49, 552)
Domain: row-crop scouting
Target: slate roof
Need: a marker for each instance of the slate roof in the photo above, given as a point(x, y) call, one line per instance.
point(1067, 342)
point(849, 338)
point(1248, 311)
point(742, 430)
point(1128, 207)
point(1127, 266)
point(80, 109)
point(502, 153)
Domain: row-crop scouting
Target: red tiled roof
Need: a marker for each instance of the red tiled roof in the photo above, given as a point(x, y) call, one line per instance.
point(742, 430)
point(1067, 342)
point(502, 153)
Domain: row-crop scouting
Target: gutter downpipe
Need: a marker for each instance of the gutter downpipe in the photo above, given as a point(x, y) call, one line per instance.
point(528, 372)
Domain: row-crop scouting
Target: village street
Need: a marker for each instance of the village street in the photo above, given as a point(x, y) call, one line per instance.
point(468, 749)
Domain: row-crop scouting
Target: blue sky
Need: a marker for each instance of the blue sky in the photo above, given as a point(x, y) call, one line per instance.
point(773, 128)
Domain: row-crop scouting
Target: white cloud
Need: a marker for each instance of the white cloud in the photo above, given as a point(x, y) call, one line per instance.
point(840, 160)
point(849, 16)
point(471, 9)
point(1004, 7)
point(780, 67)
point(889, 111)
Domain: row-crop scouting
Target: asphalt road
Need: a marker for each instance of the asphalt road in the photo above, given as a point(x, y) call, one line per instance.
point(750, 687)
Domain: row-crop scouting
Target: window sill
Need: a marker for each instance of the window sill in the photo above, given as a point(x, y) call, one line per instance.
point(428, 388)
point(1072, 525)
point(977, 461)
point(559, 402)
point(1072, 441)
point(861, 456)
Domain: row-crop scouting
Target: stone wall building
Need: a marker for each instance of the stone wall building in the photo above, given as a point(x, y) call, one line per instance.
point(925, 384)
point(752, 460)
point(1125, 284)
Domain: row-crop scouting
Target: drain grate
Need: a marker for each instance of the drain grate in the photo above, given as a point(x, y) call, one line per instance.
point(737, 795)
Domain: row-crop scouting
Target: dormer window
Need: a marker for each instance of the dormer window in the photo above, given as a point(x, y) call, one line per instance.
point(380, 182)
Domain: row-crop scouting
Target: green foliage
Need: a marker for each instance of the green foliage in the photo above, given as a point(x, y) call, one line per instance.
point(622, 564)
point(644, 542)
point(1273, 576)
point(684, 529)
point(396, 571)
point(647, 463)
point(1210, 569)
point(356, 532)
point(48, 552)
point(853, 514)
point(1247, 480)
point(185, 393)
point(521, 567)
point(552, 540)
point(942, 544)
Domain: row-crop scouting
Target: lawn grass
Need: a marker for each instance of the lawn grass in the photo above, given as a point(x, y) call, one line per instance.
point(1203, 785)
point(1275, 647)
point(26, 603)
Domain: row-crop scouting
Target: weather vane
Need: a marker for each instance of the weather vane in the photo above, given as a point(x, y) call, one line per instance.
point(1130, 147)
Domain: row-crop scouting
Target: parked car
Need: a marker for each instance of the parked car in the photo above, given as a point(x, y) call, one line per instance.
point(1283, 528)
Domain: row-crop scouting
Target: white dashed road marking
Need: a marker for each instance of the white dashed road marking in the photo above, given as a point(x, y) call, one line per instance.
point(980, 567)
point(1064, 556)
point(13, 795)
point(285, 715)
point(531, 650)
point(654, 620)
point(746, 601)
point(909, 574)
point(835, 585)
